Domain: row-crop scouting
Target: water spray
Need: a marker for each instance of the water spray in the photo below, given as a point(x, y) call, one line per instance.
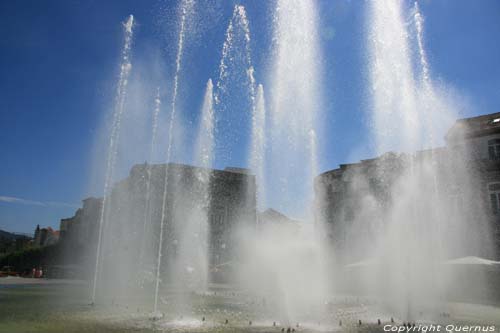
point(121, 92)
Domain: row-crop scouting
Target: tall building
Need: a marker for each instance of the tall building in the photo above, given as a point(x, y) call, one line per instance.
point(137, 205)
point(353, 201)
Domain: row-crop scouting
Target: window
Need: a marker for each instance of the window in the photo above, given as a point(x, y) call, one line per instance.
point(494, 191)
point(494, 149)
point(218, 218)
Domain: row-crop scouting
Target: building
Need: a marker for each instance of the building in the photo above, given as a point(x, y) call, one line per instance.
point(137, 205)
point(272, 221)
point(45, 236)
point(353, 201)
point(82, 228)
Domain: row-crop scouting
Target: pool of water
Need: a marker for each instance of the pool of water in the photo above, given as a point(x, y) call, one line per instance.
point(61, 306)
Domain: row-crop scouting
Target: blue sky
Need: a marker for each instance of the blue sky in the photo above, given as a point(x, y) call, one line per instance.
point(59, 63)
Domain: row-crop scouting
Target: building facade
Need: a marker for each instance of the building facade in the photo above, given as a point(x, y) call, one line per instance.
point(81, 229)
point(460, 180)
point(181, 196)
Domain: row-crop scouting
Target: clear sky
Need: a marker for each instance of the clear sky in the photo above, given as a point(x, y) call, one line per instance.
point(59, 66)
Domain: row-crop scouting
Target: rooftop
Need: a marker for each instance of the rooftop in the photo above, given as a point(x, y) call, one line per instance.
point(474, 127)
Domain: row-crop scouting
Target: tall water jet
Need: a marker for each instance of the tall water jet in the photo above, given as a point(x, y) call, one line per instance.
point(427, 102)
point(205, 142)
point(238, 19)
point(398, 125)
point(258, 145)
point(236, 78)
point(295, 102)
point(438, 111)
point(248, 55)
point(147, 205)
point(428, 97)
point(235, 105)
point(419, 24)
point(193, 237)
point(433, 98)
point(186, 7)
point(121, 91)
point(408, 208)
point(396, 121)
point(286, 259)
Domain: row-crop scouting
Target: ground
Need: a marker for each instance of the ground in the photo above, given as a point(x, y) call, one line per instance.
point(59, 306)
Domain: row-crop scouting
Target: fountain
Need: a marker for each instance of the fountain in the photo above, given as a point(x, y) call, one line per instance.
point(283, 155)
point(235, 78)
point(412, 234)
point(210, 249)
point(147, 211)
point(185, 11)
point(295, 96)
point(114, 137)
point(258, 150)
